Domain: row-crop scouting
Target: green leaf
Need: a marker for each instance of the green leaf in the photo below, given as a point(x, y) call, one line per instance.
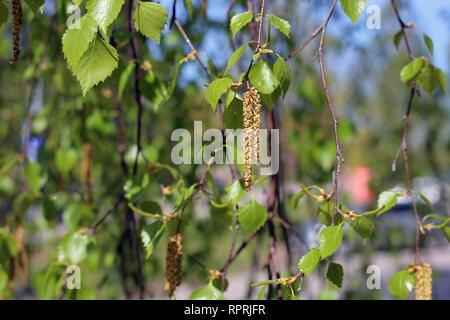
point(429, 43)
point(335, 275)
point(280, 24)
point(49, 208)
point(150, 235)
point(363, 226)
point(3, 17)
point(77, 215)
point(96, 64)
point(261, 292)
point(263, 78)
point(329, 240)
point(216, 89)
point(388, 199)
point(150, 19)
point(425, 199)
point(212, 67)
point(309, 261)
point(236, 56)
point(412, 70)
point(189, 8)
point(77, 38)
point(223, 213)
point(73, 247)
point(252, 216)
point(397, 38)
point(283, 73)
point(84, 293)
point(124, 77)
point(173, 79)
point(239, 21)
point(442, 80)
point(353, 8)
point(34, 176)
point(325, 213)
point(104, 11)
point(401, 284)
point(65, 160)
point(3, 280)
point(153, 89)
point(135, 186)
point(232, 115)
point(446, 232)
point(208, 292)
point(430, 77)
point(152, 207)
point(235, 191)
point(35, 5)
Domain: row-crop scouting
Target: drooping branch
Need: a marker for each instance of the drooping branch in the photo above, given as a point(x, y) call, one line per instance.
point(404, 143)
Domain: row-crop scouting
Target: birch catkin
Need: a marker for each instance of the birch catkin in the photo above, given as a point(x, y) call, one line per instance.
point(252, 121)
point(174, 264)
point(424, 281)
point(16, 13)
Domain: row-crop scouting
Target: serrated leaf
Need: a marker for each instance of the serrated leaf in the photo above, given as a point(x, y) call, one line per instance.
point(335, 275)
point(96, 64)
point(212, 67)
point(252, 216)
point(329, 240)
point(388, 199)
point(353, 8)
point(216, 89)
point(236, 56)
point(239, 21)
point(401, 284)
point(425, 199)
point(232, 115)
point(124, 77)
point(135, 186)
point(412, 70)
point(446, 232)
point(363, 226)
point(77, 38)
point(150, 19)
point(263, 78)
point(173, 79)
point(280, 24)
point(309, 261)
point(208, 292)
point(3, 15)
point(442, 80)
point(150, 235)
point(283, 73)
point(325, 213)
point(235, 191)
point(73, 247)
point(430, 77)
point(104, 11)
point(429, 43)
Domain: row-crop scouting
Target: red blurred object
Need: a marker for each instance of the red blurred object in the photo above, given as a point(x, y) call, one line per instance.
point(358, 184)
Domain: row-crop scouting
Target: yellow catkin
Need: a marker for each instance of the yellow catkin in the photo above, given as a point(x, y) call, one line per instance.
point(424, 282)
point(16, 13)
point(174, 264)
point(251, 121)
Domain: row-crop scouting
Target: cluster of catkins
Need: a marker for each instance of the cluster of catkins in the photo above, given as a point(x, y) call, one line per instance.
point(424, 282)
point(16, 12)
point(174, 264)
point(252, 121)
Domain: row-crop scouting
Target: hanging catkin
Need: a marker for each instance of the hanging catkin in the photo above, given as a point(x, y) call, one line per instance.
point(16, 13)
point(252, 121)
point(424, 282)
point(174, 264)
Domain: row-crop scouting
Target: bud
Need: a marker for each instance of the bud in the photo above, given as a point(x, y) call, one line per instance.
point(174, 267)
point(16, 13)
